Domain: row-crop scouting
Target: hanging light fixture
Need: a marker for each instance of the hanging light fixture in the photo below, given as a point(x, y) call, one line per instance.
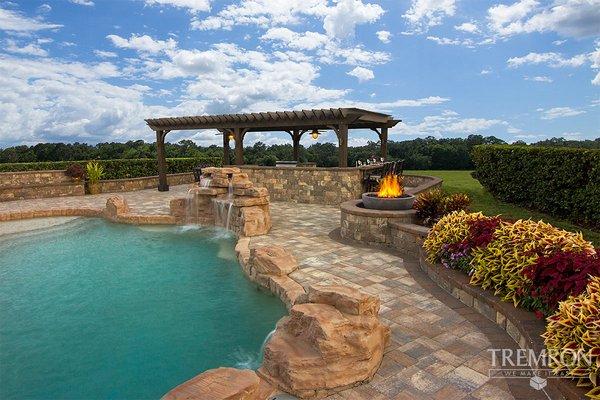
point(231, 136)
point(314, 134)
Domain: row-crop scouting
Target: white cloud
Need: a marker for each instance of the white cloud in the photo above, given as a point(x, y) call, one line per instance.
point(560, 112)
point(485, 72)
point(362, 74)
point(553, 60)
point(44, 8)
point(31, 49)
point(449, 122)
point(424, 14)
point(105, 54)
point(443, 41)
point(264, 13)
point(13, 21)
point(595, 60)
point(302, 41)
point(144, 43)
point(468, 27)
point(384, 36)
point(574, 18)
point(341, 20)
point(88, 3)
point(559, 42)
point(544, 79)
point(192, 6)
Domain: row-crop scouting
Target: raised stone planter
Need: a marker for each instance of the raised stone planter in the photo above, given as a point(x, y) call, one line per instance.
point(370, 226)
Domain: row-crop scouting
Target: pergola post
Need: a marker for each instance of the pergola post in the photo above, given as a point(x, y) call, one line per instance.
point(162, 161)
point(342, 133)
point(239, 146)
point(296, 135)
point(383, 138)
point(226, 160)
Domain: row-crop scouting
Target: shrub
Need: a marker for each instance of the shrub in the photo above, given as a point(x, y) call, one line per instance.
point(434, 204)
point(575, 327)
point(557, 276)
point(121, 168)
point(75, 171)
point(94, 171)
point(563, 182)
point(516, 246)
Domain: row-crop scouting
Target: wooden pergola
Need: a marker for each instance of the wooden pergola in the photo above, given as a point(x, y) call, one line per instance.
point(296, 123)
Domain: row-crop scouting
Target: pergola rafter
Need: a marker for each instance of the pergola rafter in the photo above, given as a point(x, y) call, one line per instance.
point(296, 123)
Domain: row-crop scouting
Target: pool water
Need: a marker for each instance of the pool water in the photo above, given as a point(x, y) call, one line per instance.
point(95, 310)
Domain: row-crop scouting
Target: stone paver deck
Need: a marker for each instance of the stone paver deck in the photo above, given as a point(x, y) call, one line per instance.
point(438, 347)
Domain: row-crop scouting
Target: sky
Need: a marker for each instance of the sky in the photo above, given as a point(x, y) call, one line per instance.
point(93, 70)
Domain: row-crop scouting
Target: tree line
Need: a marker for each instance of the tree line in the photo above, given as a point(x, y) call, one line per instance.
point(422, 153)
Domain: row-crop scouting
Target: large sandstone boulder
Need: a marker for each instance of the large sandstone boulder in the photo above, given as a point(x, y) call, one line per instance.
point(222, 384)
point(272, 260)
point(115, 206)
point(255, 220)
point(344, 298)
point(319, 350)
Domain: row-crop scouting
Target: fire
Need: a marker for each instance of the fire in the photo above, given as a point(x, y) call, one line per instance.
point(391, 185)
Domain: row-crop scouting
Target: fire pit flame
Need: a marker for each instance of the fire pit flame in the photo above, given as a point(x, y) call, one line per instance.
point(391, 186)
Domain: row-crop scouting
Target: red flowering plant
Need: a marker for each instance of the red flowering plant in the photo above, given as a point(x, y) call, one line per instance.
point(556, 277)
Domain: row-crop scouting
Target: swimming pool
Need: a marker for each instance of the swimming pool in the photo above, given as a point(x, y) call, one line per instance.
point(96, 310)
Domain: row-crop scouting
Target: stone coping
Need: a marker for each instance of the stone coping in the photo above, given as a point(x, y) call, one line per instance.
point(37, 171)
point(414, 229)
point(312, 169)
point(142, 178)
point(352, 207)
point(431, 182)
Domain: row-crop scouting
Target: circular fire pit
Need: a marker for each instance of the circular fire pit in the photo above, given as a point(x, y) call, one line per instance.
point(372, 202)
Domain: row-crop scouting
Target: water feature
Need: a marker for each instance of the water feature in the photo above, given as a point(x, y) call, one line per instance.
point(223, 208)
point(97, 310)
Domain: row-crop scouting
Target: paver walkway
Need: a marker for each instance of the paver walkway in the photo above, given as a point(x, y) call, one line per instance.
point(438, 346)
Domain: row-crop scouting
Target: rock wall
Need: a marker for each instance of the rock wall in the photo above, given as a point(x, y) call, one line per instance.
point(147, 182)
point(308, 185)
point(245, 210)
point(330, 186)
point(38, 184)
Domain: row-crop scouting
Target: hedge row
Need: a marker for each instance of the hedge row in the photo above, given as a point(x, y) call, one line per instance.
point(563, 182)
point(121, 168)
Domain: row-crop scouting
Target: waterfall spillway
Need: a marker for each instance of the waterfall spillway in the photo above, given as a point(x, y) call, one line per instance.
point(191, 209)
point(264, 343)
point(223, 208)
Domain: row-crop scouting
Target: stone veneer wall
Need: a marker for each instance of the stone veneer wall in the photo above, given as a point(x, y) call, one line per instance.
point(308, 185)
point(38, 184)
point(330, 186)
point(146, 182)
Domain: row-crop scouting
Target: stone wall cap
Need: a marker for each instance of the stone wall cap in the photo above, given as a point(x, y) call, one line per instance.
point(352, 207)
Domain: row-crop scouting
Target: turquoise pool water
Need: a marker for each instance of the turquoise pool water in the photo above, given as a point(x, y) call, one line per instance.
point(94, 310)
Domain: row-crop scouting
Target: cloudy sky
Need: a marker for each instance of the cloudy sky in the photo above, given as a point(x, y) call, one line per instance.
point(92, 70)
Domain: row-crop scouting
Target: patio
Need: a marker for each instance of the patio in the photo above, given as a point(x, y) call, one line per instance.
point(438, 347)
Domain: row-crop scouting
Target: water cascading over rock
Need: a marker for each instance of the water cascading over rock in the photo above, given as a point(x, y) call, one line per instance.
point(225, 197)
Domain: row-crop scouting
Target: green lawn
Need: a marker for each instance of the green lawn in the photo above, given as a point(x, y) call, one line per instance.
point(461, 181)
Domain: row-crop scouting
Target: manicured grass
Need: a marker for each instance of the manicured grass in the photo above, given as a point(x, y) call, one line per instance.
point(461, 181)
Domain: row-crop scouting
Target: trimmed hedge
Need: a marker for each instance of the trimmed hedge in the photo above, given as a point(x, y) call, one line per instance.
point(121, 168)
point(563, 182)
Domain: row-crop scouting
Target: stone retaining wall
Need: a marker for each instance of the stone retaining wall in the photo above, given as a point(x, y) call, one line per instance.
point(146, 182)
point(38, 184)
point(330, 186)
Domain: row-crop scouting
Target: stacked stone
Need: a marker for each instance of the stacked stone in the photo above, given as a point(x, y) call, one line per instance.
point(250, 213)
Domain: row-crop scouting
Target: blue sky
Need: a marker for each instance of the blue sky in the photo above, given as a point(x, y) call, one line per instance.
point(92, 70)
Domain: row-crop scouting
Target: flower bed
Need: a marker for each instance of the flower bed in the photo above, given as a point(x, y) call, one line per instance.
point(533, 265)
